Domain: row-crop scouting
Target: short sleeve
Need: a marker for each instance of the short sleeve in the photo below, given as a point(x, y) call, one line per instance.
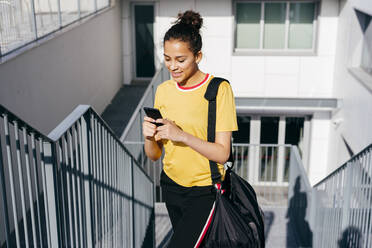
point(226, 110)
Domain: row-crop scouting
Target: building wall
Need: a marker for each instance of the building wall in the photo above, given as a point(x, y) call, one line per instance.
point(266, 76)
point(353, 120)
point(79, 66)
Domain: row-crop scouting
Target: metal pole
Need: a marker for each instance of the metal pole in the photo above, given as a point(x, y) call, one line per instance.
point(133, 223)
point(79, 9)
point(34, 17)
point(4, 201)
point(59, 14)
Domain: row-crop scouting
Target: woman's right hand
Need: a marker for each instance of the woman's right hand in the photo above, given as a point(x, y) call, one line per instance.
point(148, 128)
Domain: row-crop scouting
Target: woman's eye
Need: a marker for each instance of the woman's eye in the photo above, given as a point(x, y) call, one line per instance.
point(181, 61)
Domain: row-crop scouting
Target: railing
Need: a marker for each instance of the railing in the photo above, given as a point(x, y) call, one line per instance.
point(24, 21)
point(132, 134)
point(77, 187)
point(343, 205)
point(300, 210)
point(266, 167)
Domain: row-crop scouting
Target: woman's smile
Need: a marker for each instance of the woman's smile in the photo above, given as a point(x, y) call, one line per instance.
point(176, 74)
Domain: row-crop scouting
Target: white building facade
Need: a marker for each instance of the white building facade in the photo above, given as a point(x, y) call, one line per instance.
point(295, 68)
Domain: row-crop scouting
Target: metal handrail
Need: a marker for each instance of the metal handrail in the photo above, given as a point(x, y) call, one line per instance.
point(355, 157)
point(77, 187)
point(343, 206)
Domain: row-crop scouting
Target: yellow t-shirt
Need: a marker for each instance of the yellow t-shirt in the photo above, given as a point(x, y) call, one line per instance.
point(188, 108)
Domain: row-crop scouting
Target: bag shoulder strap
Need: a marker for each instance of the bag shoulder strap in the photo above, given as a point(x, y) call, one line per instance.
point(211, 96)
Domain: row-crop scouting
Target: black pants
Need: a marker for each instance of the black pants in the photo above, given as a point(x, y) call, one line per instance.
point(190, 211)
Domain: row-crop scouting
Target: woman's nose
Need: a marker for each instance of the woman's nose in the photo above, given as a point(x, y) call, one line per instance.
point(173, 66)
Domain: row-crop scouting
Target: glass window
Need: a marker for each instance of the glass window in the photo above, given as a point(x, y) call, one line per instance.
point(248, 17)
point(366, 62)
point(301, 18)
point(243, 133)
point(16, 25)
point(86, 7)
point(102, 4)
point(274, 31)
point(275, 25)
point(69, 11)
point(47, 19)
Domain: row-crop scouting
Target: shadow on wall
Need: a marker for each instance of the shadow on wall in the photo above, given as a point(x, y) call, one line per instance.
point(351, 238)
point(296, 217)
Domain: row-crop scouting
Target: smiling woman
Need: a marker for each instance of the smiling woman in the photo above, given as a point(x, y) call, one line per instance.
point(186, 177)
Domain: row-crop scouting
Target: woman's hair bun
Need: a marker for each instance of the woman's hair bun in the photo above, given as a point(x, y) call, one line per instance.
point(190, 17)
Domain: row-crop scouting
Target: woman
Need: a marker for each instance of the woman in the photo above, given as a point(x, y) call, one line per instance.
point(186, 178)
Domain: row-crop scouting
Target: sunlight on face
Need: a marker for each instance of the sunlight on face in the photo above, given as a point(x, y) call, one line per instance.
point(180, 60)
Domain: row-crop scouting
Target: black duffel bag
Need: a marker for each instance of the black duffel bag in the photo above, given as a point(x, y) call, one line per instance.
point(237, 220)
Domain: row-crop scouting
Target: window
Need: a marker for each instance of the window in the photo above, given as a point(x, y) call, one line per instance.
point(366, 63)
point(275, 25)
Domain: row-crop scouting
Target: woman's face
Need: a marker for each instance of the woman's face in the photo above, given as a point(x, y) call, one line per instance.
point(180, 61)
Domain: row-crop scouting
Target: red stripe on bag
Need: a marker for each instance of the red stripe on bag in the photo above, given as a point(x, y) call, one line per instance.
point(206, 226)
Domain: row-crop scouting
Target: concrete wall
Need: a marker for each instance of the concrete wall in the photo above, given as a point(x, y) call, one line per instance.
point(353, 121)
point(80, 66)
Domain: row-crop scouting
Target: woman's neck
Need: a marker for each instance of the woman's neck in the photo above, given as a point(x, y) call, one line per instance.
point(195, 79)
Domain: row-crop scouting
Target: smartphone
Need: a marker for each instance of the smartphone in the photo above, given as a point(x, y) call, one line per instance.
point(154, 114)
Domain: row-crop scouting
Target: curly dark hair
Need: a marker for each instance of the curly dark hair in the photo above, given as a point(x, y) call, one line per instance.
point(186, 28)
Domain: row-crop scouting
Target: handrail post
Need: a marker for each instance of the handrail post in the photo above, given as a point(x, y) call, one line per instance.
point(4, 199)
point(50, 178)
point(133, 206)
point(347, 197)
point(85, 129)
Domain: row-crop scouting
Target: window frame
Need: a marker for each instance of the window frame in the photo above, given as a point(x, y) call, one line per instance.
point(286, 51)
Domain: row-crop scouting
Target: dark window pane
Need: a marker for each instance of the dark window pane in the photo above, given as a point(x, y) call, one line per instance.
point(243, 134)
point(269, 130)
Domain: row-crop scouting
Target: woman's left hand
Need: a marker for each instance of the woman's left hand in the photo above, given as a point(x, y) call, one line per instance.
point(169, 130)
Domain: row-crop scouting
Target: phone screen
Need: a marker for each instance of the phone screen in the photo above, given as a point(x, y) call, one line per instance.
point(154, 114)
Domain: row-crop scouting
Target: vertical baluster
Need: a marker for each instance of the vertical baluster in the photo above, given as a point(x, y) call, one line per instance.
point(78, 181)
point(368, 241)
point(84, 141)
point(37, 184)
point(100, 180)
point(73, 173)
point(21, 181)
point(360, 194)
point(52, 188)
point(69, 190)
point(95, 159)
point(4, 200)
point(29, 185)
point(80, 163)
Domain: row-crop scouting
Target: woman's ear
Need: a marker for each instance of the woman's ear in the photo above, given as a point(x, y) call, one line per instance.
point(198, 57)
